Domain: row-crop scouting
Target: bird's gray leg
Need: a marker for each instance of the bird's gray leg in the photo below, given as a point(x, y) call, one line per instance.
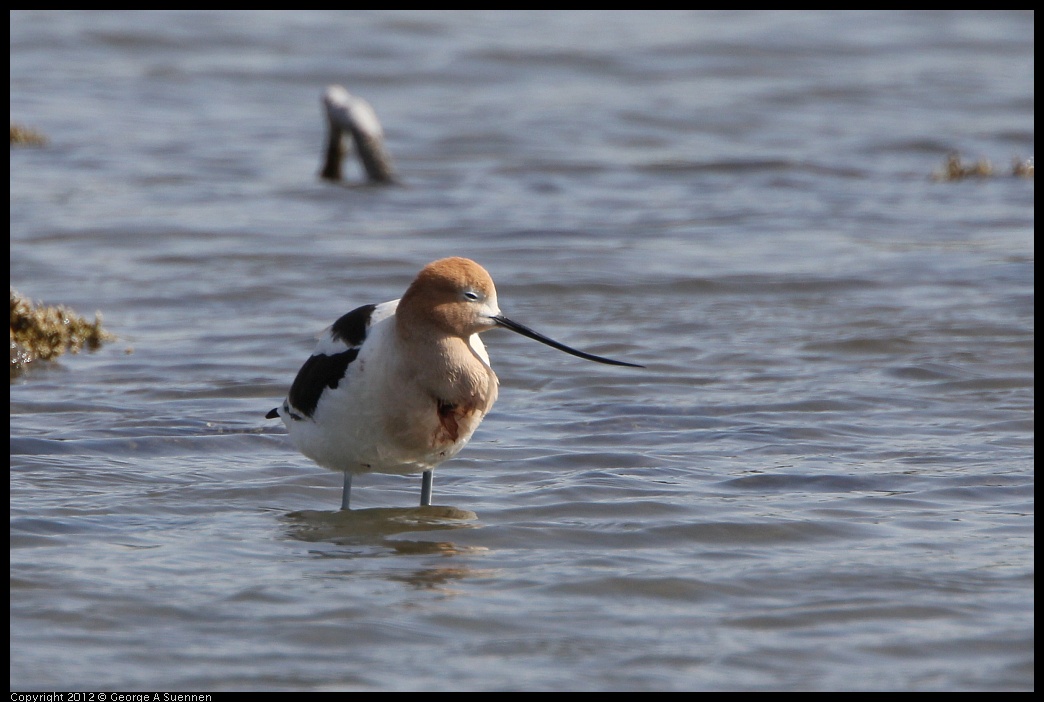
point(346, 495)
point(426, 488)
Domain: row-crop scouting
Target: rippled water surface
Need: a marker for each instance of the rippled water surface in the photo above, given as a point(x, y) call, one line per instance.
point(822, 480)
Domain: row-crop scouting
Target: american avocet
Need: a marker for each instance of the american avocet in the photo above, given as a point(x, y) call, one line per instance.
point(348, 113)
point(401, 386)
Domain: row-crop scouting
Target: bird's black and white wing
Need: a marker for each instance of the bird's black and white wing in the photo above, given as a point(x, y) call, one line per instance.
point(328, 364)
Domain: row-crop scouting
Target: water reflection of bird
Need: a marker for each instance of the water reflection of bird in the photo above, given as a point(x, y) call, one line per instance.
point(400, 387)
point(348, 113)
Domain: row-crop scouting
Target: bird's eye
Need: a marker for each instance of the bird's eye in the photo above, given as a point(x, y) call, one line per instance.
point(471, 295)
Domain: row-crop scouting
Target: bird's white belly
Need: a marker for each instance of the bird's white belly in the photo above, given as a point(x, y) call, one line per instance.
point(365, 426)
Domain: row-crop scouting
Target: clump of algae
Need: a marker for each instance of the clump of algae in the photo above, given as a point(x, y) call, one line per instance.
point(24, 136)
point(41, 332)
point(956, 169)
point(1022, 168)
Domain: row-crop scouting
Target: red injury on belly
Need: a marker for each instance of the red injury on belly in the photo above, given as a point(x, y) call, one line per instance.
point(450, 419)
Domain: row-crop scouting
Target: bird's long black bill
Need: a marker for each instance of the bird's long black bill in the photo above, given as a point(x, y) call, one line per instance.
point(536, 336)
